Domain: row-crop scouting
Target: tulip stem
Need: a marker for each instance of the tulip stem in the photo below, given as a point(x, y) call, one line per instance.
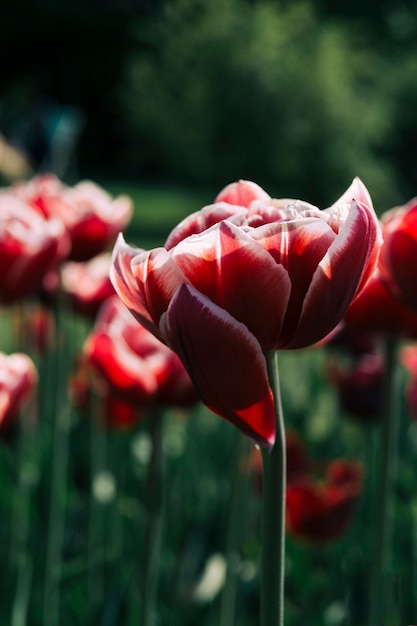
point(154, 531)
point(273, 513)
point(384, 504)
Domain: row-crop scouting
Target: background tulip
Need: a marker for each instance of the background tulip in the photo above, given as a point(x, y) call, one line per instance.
point(318, 512)
point(399, 252)
point(31, 246)
point(90, 215)
point(18, 378)
point(136, 366)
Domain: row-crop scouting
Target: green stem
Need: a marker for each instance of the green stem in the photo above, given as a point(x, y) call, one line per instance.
point(98, 454)
point(61, 417)
point(154, 533)
point(384, 503)
point(27, 479)
point(273, 514)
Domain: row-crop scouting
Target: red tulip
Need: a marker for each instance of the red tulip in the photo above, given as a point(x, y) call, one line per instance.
point(18, 379)
point(113, 411)
point(88, 284)
point(359, 385)
point(31, 246)
point(278, 274)
point(91, 216)
point(399, 252)
point(377, 312)
point(318, 512)
point(135, 365)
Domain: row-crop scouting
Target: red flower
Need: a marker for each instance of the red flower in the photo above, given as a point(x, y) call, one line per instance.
point(112, 410)
point(31, 246)
point(135, 365)
point(275, 275)
point(318, 512)
point(18, 379)
point(359, 385)
point(91, 216)
point(399, 252)
point(376, 311)
point(88, 284)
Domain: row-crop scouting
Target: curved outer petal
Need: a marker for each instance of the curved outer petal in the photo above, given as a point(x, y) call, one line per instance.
point(238, 275)
point(202, 220)
point(129, 291)
point(224, 361)
point(242, 192)
point(299, 245)
point(356, 191)
point(337, 277)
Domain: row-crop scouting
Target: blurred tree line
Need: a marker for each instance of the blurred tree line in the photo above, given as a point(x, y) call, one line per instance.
point(299, 96)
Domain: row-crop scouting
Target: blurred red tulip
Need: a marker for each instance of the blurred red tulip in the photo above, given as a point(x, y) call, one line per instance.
point(359, 385)
point(377, 312)
point(112, 410)
point(18, 379)
point(318, 512)
point(31, 246)
point(87, 284)
point(135, 365)
point(399, 253)
point(91, 216)
point(278, 274)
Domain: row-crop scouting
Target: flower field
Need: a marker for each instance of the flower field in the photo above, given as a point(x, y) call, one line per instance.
point(124, 499)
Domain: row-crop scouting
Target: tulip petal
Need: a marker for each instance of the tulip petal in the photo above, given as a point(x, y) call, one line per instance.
point(202, 220)
point(238, 275)
point(299, 246)
point(337, 278)
point(242, 192)
point(224, 361)
point(131, 293)
point(356, 191)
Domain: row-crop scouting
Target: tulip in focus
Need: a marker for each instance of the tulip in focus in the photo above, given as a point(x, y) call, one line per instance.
point(235, 282)
point(18, 379)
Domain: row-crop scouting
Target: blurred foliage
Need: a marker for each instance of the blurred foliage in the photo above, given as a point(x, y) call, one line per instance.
point(258, 93)
point(299, 96)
